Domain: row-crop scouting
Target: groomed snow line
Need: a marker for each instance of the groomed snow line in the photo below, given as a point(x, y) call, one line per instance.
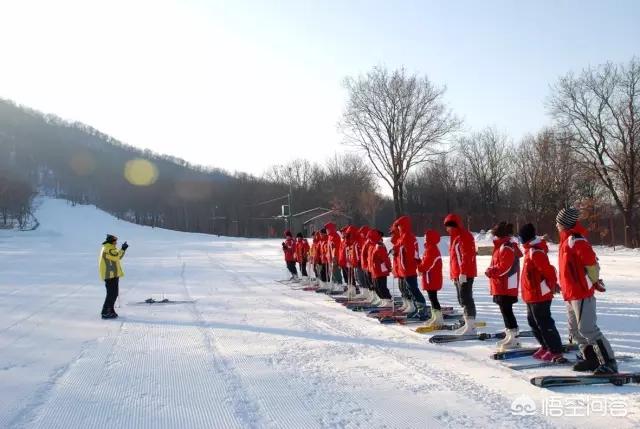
point(250, 352)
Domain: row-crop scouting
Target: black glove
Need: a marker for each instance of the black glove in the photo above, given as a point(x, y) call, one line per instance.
point(284, 246)
point(556, 289)
point(125, 246)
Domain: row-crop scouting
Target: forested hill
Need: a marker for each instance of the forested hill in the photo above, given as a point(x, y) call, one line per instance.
point(44, 153)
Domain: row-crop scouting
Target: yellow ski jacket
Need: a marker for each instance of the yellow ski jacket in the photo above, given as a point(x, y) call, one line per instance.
point(109, 262)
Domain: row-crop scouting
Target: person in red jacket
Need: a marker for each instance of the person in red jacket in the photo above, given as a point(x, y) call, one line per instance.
point(407, 302)
point(462, 269)
point(323, 261)
point(333, 252)
point(430, 268)
point(364, 261)
point(380, 268)
point(408, 259)
point(360, 237)
point(504, 279)
point(342, 254)
point(289, 249)
point(351, 259)
point(579, 278)
point(302, 253)
point(539, 282)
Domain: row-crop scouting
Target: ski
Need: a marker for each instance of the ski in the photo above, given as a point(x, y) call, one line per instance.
point(528, 351)
point(162, 301)
point(445, 338)
point(568, 362)
point(447, 326)
point(583, 380)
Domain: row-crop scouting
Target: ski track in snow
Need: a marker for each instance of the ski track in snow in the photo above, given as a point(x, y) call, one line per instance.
point(246, 351)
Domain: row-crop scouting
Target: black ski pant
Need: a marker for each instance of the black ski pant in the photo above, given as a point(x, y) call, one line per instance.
point(362, 277)
point(465, 297)
point(433, 299)
point(404, 291)
point(413, 290)
point(291, 266)
point(303, 267)
point(381, 288)
point(505, 302)
point(370, 284)
point(543, 326)
point(112, 294)
point(324, 268)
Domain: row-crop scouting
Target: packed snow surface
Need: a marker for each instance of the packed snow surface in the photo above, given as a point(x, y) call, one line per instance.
point(250, 352)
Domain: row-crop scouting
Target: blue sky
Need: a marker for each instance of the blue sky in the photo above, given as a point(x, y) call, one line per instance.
point(245, 84)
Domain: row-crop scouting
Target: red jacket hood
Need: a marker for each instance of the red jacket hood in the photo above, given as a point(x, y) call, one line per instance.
point(578, 229)
point(452, 217)
point(537, 243)
point(404, 223)
point(374, 235)
point(431, 237)
point(330, 227)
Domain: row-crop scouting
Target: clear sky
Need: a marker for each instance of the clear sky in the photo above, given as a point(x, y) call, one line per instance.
point(244, 84)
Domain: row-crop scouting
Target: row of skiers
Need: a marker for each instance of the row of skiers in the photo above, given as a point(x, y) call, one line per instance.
point(360, 257)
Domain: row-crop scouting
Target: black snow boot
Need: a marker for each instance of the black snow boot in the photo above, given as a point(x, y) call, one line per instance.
point(589, 360)
point(109, 316)
point(608, 364)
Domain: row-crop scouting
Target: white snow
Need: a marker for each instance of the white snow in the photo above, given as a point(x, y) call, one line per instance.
point(251, 352)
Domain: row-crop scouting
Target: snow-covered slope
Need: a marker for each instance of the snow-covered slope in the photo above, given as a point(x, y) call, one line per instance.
point(251, 352)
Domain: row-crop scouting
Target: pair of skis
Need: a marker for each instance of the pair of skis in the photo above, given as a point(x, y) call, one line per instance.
point(546, 381)
point(446, 338)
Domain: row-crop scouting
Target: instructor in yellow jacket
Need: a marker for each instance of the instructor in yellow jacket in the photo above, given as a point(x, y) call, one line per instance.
point(111, 271)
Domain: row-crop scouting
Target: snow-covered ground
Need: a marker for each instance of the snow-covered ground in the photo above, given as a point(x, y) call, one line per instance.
point(251, 352)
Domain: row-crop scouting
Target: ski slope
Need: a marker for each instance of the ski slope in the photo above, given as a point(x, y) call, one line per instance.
point(250, 352)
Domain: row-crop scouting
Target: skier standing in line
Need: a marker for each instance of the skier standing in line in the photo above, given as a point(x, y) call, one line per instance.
point(407, 302)
point(333, 247)
point(380, 268)
point(504, 278)
point(579, 279)
point(110, 270)
point(463, 269)
point(539, 281)
point(352, 261)
point(324, 261)
point(289, 250)
point(430, 268)
point(408, 259)
point(366, 269)
point(302, 254)
point(342, 254)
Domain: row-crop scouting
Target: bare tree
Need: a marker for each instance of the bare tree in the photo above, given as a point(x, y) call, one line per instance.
point(487, 156)
point(398, 120)
point(601, 110)
point(546, 174)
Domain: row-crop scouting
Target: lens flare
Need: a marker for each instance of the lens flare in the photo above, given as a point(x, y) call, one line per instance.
point(140, 172)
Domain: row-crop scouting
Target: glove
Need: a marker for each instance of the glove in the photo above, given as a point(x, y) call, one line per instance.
point(489, 272)
point(125, 246)
point(599, 285)
point(556, 289)
point(462, 278)
point(284, 246)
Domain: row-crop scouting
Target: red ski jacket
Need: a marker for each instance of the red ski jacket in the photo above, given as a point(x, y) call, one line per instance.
point(538, 275)
point(302, 250)
point(574, 256)
point(408, 256)
point(364, 257)
point(380, 263)
point(462, 250)
point(504, 271)
point(289, 249)
point(430, 266)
